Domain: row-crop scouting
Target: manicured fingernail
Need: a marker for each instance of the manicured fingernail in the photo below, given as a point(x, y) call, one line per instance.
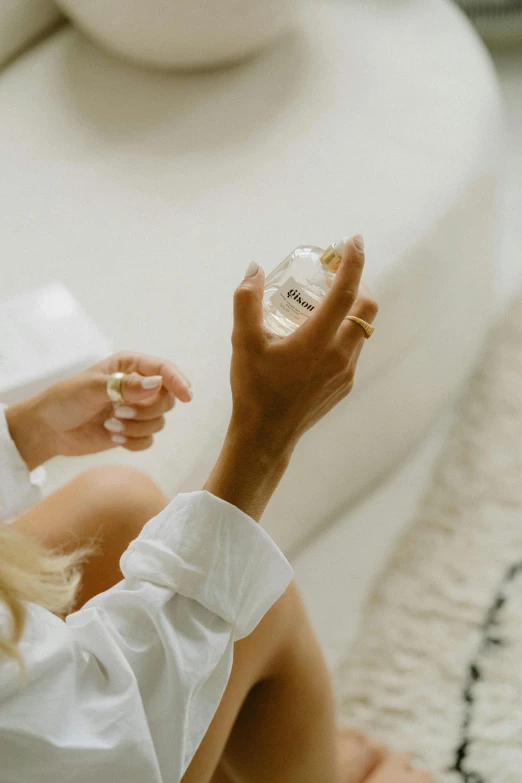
point(124, 412)
point(151, 382)
point(251, 269)
point(189, 391)
point(119, 439)
point(113, 425)
point(358, 241)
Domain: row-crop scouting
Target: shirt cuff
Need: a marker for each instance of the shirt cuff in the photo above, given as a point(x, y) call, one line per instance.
point(207, 549)
point(19, 488)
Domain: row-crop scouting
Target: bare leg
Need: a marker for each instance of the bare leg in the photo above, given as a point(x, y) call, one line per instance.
point(109, 504)
point(397, 769)
point(276, 720)
point(284, 730)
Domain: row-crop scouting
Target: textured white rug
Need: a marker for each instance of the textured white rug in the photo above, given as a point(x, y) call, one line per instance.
point(437, 666)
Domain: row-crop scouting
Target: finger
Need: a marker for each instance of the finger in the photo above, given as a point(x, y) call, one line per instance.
point(137, 388)
point(350, 333)
point(173, 379)
point(404, 762)
point(248, 305)
point(138, 444)
point(134, 429)
point(175, 382)
point(420, 776)
point(339, 300)
point(394, 767)
point(160, 405)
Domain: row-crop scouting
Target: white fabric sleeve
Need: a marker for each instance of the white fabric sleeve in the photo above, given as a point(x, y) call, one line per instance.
point(200, 575)
point(19, 488)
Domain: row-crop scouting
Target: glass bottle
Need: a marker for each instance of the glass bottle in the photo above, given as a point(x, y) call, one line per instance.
point(295, 288)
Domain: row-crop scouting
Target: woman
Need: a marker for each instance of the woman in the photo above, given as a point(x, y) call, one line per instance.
point(200, 665)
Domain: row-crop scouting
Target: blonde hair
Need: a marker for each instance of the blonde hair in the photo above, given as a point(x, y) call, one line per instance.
point(30, 572)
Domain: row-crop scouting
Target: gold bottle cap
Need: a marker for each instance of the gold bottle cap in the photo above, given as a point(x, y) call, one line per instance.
point(331, 258)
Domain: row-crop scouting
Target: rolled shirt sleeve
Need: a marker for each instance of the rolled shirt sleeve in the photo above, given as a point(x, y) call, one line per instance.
point(140, 670)
point(206, 549)
point(19, 488)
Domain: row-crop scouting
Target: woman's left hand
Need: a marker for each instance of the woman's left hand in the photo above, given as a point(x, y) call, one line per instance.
point(75, 416)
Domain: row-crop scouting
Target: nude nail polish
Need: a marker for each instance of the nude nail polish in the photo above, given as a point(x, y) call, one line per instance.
point(151, 382)
point(124, 412)
point(251, 269)
point(119, 439)
point(358, 241)
point(114, 425)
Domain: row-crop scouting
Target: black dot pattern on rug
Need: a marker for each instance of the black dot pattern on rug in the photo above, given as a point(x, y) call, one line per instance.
point(489, 639)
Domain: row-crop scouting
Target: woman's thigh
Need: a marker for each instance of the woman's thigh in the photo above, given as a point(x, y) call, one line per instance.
point(259, 660)
point(107, 506)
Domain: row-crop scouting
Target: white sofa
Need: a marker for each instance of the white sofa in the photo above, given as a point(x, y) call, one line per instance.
point(148, 194)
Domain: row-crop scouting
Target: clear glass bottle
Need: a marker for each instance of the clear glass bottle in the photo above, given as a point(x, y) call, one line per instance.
point(295, 288)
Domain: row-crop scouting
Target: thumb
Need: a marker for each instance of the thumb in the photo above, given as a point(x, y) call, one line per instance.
point(140, 388)
point(248, 303)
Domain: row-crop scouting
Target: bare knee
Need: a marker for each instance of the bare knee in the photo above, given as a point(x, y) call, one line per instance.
point(119, 498)
point(288, 615)
point(277, 633)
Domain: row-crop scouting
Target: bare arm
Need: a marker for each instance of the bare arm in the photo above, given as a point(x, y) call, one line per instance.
point(248, 470)
point(282, 386)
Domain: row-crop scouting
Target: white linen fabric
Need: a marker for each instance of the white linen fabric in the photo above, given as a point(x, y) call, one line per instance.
point(19, 489)
point(127, 686)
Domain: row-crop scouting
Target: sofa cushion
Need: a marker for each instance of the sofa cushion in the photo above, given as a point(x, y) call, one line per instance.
point(182, 33)
point(21, 21)
point(148, 193)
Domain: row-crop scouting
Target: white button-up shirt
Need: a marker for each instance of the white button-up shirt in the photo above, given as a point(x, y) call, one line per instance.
point(125, 688)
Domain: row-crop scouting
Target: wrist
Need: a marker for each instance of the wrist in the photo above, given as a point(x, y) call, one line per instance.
point(249, 468)
point(29, 433)
point(272, 443)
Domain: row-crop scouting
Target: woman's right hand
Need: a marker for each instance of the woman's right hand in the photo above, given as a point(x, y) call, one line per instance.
point(283, 386)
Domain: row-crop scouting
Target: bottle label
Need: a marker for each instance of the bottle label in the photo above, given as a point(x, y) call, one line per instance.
point(292, 301)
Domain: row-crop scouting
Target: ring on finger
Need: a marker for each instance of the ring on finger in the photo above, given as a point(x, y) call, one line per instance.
point(368, 328)
point(114, 387)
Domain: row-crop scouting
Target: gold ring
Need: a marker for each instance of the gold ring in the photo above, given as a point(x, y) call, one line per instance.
point(114, 387)
point(368, 328)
